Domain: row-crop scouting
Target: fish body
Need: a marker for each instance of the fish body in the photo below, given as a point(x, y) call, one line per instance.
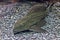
point(33, 21)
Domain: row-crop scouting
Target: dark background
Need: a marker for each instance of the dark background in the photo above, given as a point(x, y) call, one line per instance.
point(23, 0)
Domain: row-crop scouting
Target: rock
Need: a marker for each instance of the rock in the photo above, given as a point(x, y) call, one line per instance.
point(33, 21)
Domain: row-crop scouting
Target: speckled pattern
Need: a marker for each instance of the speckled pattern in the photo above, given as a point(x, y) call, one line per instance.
point(8, 18)
point(9, 14)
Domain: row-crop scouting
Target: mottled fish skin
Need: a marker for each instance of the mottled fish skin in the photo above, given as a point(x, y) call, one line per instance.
point(33, 20)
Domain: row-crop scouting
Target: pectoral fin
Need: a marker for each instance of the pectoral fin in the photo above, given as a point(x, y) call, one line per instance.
point(38, 29)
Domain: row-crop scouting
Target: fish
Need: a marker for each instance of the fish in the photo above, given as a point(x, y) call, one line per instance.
point(33, 21)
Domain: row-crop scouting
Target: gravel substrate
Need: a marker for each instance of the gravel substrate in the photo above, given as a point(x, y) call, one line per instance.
point(9, 14)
